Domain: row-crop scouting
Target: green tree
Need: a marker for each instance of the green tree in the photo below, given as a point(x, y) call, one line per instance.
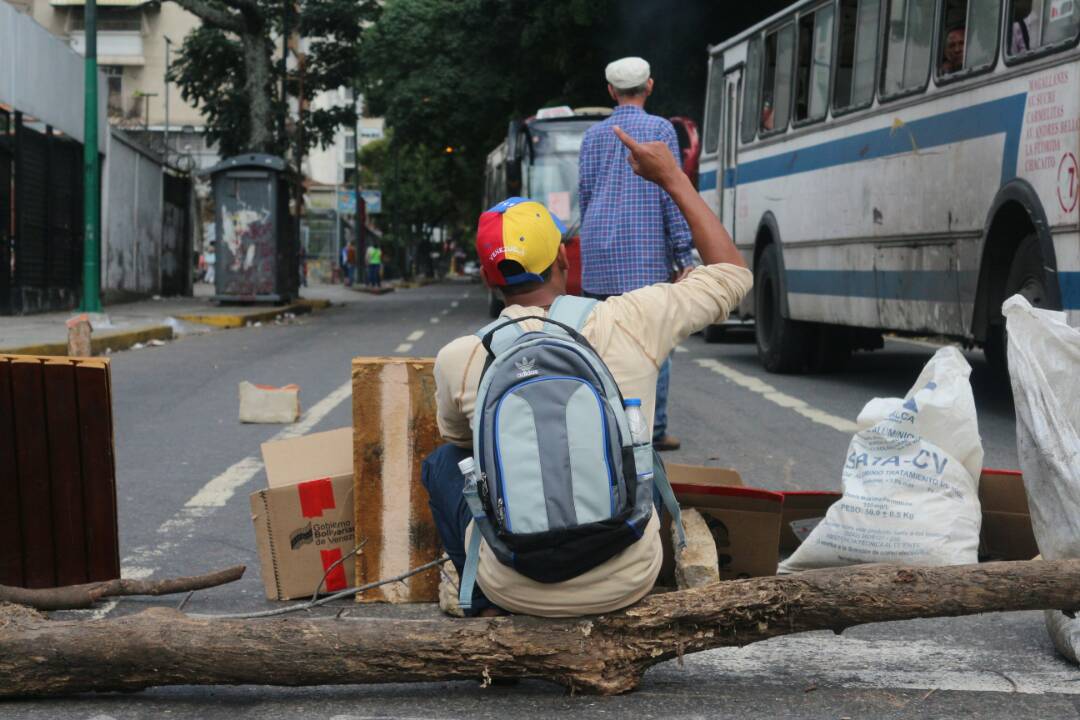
point(454, 72)
point(228, 68)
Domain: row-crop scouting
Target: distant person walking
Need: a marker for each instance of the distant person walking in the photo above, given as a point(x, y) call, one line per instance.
point(350, 259)
point(632, 233)
point(373, 260)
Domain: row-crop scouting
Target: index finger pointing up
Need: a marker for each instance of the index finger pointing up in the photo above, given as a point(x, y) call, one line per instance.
point(628, 141)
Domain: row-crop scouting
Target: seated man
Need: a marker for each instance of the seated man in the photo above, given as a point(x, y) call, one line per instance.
point(632, 333)
point(953, 54)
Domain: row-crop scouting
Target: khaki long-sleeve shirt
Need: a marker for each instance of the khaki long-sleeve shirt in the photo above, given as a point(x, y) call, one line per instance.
point(633, 334)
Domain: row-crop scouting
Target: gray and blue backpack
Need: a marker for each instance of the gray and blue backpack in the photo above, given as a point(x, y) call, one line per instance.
point(559, 486)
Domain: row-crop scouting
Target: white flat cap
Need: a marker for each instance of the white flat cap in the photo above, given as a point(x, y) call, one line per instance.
point(627, 73)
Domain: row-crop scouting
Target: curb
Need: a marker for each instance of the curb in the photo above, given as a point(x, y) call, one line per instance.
point(114, 341)
point(239, 320)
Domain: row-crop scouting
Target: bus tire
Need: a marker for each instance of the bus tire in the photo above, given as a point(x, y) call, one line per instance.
point(1026, 277)
point(781, 342)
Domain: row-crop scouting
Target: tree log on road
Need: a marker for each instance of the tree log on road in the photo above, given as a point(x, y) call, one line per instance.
point(605, 654)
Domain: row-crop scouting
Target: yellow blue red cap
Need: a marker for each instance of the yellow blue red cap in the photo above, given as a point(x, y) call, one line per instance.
point(520, 231)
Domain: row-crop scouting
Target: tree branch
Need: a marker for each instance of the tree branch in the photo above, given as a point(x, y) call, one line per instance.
point(75, 597)
point(606, 654)
point(213, 16)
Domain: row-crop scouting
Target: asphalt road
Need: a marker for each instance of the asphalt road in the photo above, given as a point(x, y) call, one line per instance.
point(186, 467)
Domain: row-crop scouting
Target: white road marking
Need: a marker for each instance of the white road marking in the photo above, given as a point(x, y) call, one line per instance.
point(465, 294)
point(445, 312)
point(434, 321)
point(909, 664)
point(454, 304)
point(680, 349)
point(143, 561)
point(773, 395)
point(415, 335)
point(403, 348)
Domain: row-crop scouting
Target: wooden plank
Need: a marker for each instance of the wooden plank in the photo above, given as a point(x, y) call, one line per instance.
point(92, 384)
point(394, 429)
point(11, 545)
point(65, 472)
point(32, 457)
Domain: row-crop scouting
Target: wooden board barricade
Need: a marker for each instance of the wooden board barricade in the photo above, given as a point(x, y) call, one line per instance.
point(57, 472)
point(394, 429)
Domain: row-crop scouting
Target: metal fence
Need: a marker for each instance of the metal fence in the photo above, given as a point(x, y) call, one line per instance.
point(41, 211)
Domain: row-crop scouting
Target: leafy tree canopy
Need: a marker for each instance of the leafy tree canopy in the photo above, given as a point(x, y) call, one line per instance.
point(230, 68)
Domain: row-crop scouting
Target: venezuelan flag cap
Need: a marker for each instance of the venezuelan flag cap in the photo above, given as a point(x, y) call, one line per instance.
point(517, 231)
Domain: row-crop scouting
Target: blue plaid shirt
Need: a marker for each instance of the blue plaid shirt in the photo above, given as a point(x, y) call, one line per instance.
point(632, 233)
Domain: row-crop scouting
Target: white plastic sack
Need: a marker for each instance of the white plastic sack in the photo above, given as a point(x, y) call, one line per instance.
point(1044, 365)
point(911, 492)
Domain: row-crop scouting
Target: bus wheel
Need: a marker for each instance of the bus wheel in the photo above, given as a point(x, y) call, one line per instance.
point(781, 343)
point(1026, 277)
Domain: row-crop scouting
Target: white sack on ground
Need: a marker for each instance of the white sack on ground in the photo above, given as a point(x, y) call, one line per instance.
point(911, 492)
point(1044, 366)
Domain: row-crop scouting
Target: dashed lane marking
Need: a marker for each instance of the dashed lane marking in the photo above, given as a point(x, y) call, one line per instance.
point(445, 312)
point(415, 335)
point(142, 562)
point(454, 304)
point(773, 395)
point(403, 348)
point(680, 349)
point(434, 321)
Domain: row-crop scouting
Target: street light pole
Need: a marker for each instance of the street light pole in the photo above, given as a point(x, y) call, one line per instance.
point(168, 43)
point(91, 296)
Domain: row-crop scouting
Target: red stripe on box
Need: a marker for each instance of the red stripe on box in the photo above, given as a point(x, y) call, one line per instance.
point(316, 496)
point(727, 490)
point(336, 579)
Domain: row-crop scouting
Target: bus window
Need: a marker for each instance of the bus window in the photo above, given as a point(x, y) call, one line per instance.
point(907, 46)
point(1038, 24)
point(815, 58)
point(969, 35)
point(776, 100)
point(752, 88)
point(712, 112)
point(856, 54)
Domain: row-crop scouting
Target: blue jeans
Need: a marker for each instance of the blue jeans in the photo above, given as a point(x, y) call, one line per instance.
point(444, 483)
point(663, 380)
point(373, 275)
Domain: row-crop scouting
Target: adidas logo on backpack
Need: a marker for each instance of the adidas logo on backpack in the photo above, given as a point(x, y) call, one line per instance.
point(559, 487)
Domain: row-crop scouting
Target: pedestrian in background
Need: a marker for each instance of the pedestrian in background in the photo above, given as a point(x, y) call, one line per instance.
point(632, 233)
point(350, 258)
point(373, 260)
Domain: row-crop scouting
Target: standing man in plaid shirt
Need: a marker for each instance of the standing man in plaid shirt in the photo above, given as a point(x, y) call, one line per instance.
point(632, 233)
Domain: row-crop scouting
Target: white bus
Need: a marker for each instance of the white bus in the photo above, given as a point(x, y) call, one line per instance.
point(899, 165)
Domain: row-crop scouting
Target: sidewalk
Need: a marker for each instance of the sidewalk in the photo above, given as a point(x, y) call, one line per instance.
point(127, 325)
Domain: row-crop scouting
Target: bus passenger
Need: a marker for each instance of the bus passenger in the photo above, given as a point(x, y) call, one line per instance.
point(953, 60)
point(1024, 27)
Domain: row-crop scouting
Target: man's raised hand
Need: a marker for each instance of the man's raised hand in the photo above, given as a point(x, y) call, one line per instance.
point(651, 160)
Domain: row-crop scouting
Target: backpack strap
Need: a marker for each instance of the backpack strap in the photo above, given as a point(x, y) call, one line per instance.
point(571, 310)
point(481, 523)
point(504, 337)
point(667, 495)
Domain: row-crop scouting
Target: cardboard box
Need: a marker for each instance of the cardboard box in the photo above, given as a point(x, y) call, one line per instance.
point(745, 522)
point(1006, 521)
point(1006, 532)
point(304, 519)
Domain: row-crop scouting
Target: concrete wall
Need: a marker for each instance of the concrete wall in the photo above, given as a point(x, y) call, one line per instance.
point(132, 219)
